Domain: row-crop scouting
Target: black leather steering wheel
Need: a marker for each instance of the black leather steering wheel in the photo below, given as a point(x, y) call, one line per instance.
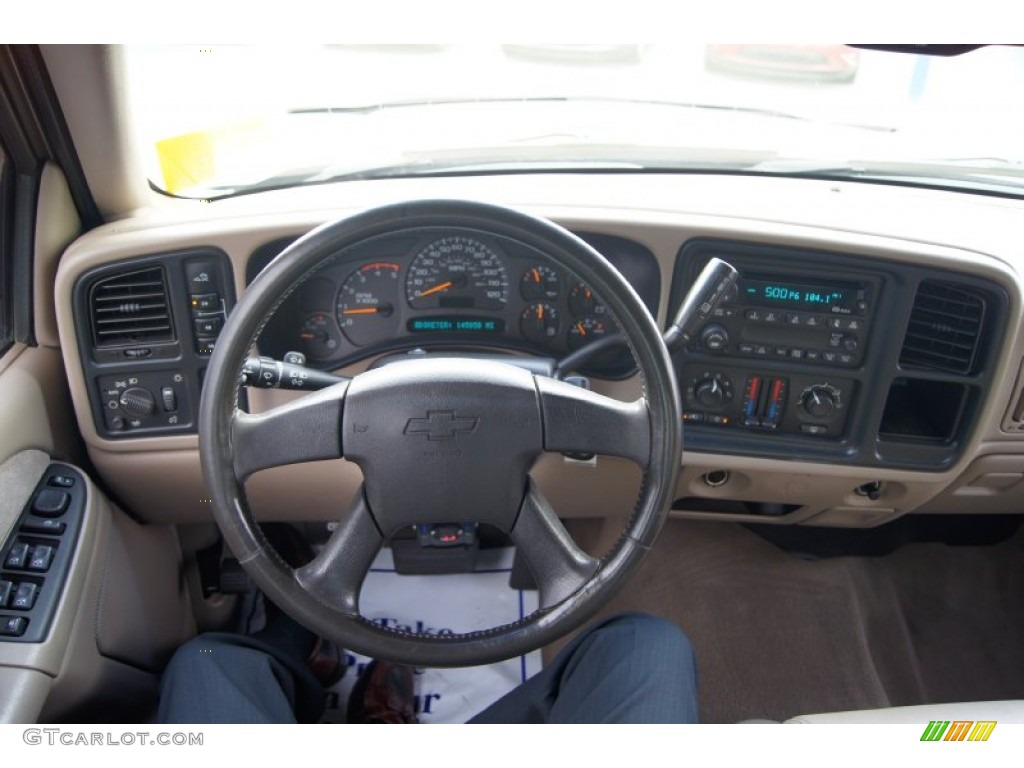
point(499, 419)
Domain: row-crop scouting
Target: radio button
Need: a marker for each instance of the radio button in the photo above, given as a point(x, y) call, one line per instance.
point(814, 321)
point(814, 429)
point(794, 318)
point(796, 354)
point(772, 317)
point(829, 357)
point(746, 349)
point(761, 350)
point(812, 355)
point(782, 351)
point(714, 338)
point(754, 315)
point(846, 359)
point(693, 417)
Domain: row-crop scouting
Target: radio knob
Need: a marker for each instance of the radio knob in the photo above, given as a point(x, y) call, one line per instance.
point(714, 337)
point(709, 393)
point(137, 402)
point(819, 402)
point(850, 343)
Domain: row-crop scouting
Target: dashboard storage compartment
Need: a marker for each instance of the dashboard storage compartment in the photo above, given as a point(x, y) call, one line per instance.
point(922, 410)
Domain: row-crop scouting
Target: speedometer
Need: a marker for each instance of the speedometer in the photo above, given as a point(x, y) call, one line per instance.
point(457, 273)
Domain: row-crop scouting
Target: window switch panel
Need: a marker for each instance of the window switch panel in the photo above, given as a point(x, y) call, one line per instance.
point(25, 596)
point(13, 626)
point(17, 557)
point(41, 557)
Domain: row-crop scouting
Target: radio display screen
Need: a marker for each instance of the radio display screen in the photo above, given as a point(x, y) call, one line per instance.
point(785, 293)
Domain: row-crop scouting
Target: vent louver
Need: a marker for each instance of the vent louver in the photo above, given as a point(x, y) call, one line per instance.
point(131, 308)
point(944, 328)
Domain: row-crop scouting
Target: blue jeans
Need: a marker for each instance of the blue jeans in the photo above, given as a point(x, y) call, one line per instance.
point(632, 668)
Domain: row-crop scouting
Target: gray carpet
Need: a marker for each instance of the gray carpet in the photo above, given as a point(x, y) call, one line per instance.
point(776, 635)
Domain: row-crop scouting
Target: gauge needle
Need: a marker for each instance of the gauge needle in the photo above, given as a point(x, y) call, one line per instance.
point(540, 311)
point(437, 288)
point(536, 275)
point(383, 309)
point(581, 328)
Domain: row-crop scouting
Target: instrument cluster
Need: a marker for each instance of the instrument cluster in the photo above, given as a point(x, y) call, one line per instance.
point(452, 289)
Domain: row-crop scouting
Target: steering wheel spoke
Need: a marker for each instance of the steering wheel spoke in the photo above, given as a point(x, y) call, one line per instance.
point(577, 420)
point(336, 575)
point(307, 429)
point(559, 566)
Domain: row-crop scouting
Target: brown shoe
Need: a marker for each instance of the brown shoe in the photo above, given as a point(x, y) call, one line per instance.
point(384, 693)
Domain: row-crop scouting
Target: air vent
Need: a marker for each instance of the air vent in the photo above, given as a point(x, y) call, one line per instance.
point(944, 328)
point(131, 308)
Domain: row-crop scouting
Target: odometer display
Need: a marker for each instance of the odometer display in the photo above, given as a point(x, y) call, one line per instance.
point(457, 273)
point(484, 325)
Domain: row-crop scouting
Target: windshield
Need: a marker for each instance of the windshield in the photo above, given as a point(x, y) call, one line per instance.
point(224, 120)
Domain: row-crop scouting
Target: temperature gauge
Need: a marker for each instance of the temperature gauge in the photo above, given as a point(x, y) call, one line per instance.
point(319, 335)
point(586, 330)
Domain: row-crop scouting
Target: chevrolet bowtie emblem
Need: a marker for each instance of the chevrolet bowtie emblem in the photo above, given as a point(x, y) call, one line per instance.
point(441, 425)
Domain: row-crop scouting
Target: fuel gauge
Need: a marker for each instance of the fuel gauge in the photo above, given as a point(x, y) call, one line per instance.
point(318, 336)
point(539, 323)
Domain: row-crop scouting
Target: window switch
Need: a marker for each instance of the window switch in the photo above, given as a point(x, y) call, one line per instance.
point(51, 503)
point(25, 596)
point(6, 587)
point(17, 557)
point(43, 525)
point(13, 626)
point(61, 481)
point(41, 557)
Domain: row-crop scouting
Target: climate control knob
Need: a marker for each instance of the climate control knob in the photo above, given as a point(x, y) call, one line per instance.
point(137, 402)
point(819, 401)
point(714, 337)
point(709, 393)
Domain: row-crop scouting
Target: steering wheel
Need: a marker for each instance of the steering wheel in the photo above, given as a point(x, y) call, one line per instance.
point(460, 434)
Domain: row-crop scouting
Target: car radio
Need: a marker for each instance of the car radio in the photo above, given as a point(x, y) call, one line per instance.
point(788, 318)
point(784, 350)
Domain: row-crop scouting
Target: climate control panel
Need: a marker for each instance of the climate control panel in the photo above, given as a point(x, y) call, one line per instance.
point(762, 401)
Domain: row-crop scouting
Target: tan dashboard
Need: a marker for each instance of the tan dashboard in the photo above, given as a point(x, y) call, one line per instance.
point(806, 247)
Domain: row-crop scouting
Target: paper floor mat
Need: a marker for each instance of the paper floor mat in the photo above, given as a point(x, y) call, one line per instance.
point(440, 604)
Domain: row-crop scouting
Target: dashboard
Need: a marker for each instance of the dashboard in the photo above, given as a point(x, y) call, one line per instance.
point(863, 367)
point(444, 289)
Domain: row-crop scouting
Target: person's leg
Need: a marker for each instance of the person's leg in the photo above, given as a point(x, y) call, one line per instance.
point(227, 678)
point(633, 668)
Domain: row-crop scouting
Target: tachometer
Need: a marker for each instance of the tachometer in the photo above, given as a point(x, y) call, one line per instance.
point(367, 302)
point(457, 273)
